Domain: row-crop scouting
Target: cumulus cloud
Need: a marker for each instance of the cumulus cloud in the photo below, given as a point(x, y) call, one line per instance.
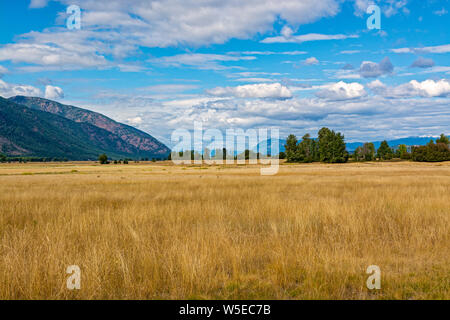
point(122, 27)
point(68, 56)
point(354, 117)
point(263, 90)
point(9, 90)
point(423, 63)
point(311, 61)
point(377, 87)
point(342, 91)
point(376, 84)
point(52, 92)
point(369, 69)
point(427, 88)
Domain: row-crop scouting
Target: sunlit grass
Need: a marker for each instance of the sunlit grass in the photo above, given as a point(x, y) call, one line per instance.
point(158, 231)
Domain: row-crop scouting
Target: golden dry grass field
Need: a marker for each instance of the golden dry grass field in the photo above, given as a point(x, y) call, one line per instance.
point(159, 231)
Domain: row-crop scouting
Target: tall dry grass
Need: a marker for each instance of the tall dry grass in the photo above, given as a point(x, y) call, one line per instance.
point(162, 232)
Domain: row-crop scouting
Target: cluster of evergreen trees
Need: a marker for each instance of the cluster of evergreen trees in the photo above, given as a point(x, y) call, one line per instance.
point(433, 152)
point(329, 147)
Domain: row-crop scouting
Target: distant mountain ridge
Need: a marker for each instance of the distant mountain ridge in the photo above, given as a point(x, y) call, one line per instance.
point(36, 127)
point(137, 138)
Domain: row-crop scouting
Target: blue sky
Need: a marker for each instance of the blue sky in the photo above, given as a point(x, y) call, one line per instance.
point(297, 65)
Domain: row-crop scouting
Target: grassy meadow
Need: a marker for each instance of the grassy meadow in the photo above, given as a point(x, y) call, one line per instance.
point(159, 231)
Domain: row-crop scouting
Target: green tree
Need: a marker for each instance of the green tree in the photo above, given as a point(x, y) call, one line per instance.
point(291, 148)
point(358, 155)
point(384, 151)
point(103, 159)
point(2, 158)
point(305, 149)
point(431, 152)
point(365, 152)
point(443, 139)
point(331, 147)
point(369, 151)
point(402, 152)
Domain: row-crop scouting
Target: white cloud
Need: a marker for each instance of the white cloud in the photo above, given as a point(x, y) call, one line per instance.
point(263, 90)
point(38, 3)
point(199, 60)
point(52, 92)
point(376, 84)
point(267, 53)
point(122, 26)
point(388, 7)
point(311, 61)
point(369, 69)
point(169, 88)
point(3, 71)
point(423, 63)
point(437, 69)
point(342, 91)
point(51, 56)
point(350, 51)
point(135, 121)
point(9, 90)
point(254, 80)
point(402, 50)
point(130, 68)
point(441, 12)
point(307, 37)
point(445, 48)
point(356, 118)
point(427, 88)
point(393, 7)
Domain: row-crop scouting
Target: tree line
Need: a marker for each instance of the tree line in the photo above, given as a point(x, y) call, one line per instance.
point(217, 154)
point(433, 152)
point(329, 147)
point(5, 158)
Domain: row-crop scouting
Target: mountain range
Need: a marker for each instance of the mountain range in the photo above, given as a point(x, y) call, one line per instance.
point(37, 127)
